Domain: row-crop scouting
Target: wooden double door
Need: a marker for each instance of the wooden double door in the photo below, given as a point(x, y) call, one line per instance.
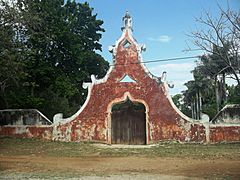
point(128, 123)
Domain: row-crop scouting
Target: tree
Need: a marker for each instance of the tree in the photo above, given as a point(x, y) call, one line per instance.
point(58, 44)
point(220, 37)
point(199, 96)
point(233, 95)
point(211, 67)
point(11, 53)
point(178, 100)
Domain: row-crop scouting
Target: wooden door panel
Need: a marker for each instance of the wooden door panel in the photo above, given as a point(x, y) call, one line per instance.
point(128, 126)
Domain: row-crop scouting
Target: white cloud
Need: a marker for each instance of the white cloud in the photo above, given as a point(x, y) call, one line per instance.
point(163, 38)
point(177, 74)
point(175, 67)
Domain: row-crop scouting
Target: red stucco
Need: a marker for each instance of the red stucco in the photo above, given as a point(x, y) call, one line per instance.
point(163, 121)
point(42, 132)
point(225, 134)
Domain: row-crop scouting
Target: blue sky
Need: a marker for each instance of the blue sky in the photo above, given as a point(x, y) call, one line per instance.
point(162, 26)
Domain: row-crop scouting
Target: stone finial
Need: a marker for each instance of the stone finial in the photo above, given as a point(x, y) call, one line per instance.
point(127, 21)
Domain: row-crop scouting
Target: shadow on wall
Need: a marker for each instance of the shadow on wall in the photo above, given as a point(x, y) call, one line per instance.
point(23, 117)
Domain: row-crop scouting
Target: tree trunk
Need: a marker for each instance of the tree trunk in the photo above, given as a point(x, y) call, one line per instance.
point(217, 94)
point(200, 105)
point(192, 110)
point(197, 106)
point(224, 96)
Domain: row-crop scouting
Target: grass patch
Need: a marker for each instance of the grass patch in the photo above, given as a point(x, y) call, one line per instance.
point(21, 146)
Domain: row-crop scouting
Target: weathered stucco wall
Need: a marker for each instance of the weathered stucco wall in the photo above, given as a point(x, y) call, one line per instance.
point(21, 131)
point(164, 122)
point(224, 133)
point(27, 123)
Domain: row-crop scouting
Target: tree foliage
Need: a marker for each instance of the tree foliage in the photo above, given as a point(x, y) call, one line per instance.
point(219, 38)
point(48, 49)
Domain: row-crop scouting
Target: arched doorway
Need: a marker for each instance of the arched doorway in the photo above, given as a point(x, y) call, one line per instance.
point(128, 124)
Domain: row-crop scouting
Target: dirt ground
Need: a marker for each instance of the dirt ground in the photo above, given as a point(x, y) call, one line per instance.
point(102, 163)
point(134, 167)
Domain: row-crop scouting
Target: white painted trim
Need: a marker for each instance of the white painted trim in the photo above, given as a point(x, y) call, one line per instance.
point(66, 120)
point(22, 110)
point(132, 80)
point(207, 125)
point(105, 78)
point(176, 109)
point(207, 132)
point(121, 99)
point(214, 119)
point(140, 59)
point(114, 49)
point(38, 126)
point(43, 116)
point(224, 125)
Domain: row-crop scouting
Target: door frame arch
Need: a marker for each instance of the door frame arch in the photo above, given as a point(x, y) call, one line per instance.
point(109, 116)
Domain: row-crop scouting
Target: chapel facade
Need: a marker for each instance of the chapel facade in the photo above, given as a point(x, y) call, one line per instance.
point(136, 112)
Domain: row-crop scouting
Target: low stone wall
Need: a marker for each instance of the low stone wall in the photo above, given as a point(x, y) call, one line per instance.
point(25, 123)
point(224, 133)
point(215, 133)
point(23, 117)
point(42, 132)
point(225, 126)
point(29, 124)
point(230, 114)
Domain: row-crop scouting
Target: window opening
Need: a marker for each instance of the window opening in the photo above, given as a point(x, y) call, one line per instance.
point(126, 44)
point(127, 78)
